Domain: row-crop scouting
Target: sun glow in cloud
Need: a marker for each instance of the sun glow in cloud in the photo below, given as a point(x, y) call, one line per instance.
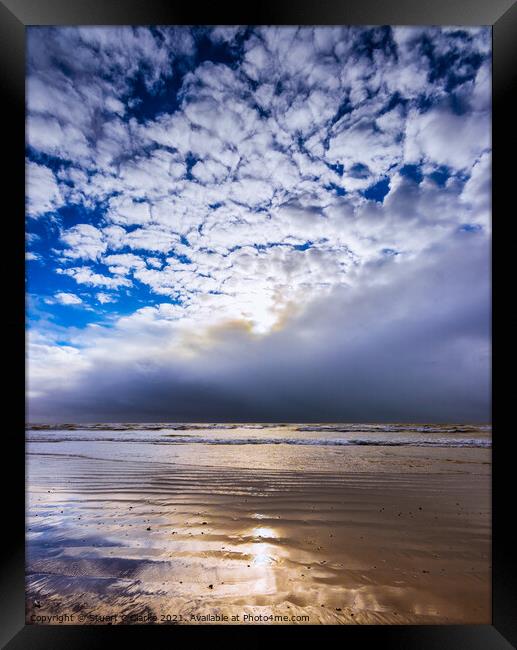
point(201, 199)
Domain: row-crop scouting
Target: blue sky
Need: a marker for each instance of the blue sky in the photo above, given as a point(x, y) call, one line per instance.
point(199, 198)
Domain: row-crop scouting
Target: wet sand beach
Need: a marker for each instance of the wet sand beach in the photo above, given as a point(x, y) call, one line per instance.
point(123, 531)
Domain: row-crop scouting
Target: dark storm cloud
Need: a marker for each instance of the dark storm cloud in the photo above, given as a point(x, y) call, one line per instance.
point(411, 343)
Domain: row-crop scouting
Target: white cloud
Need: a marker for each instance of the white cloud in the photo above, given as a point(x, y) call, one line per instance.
point(477, 192)
point(84, 242)
point(122, 264)
point(43, 193)
point(68, 298)
point(47, 135)
point(84, 275)
point(444, 138)
point(127, 212)
point(105, 298)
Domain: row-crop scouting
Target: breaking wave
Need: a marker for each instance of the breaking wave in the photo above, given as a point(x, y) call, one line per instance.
point(325, 442)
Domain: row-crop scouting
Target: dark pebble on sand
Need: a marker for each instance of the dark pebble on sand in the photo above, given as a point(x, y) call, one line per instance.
point(148, 528)
point(210, 586)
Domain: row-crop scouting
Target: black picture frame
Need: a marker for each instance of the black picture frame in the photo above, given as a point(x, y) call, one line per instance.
point(15, 15)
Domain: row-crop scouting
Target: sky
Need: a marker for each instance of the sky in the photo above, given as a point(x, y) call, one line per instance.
point(258, 224)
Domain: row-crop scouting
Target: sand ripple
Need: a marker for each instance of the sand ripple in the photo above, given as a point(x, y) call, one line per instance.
point(180, 543)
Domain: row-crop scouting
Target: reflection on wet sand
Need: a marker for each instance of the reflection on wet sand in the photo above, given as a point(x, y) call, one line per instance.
point(172, 541)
